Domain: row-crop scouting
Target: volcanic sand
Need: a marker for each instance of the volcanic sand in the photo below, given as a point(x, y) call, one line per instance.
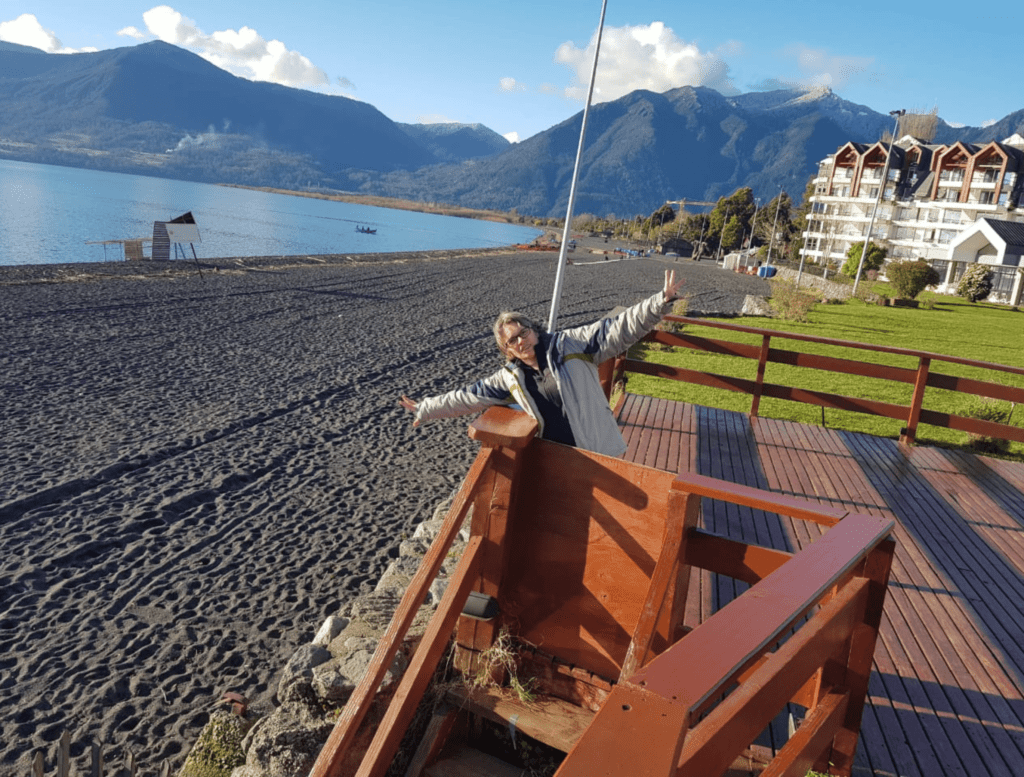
point(200, 463)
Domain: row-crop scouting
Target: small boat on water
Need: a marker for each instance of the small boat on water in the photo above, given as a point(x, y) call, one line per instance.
point(366, 230)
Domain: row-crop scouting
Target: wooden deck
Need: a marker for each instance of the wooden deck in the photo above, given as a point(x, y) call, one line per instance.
point(947, 694)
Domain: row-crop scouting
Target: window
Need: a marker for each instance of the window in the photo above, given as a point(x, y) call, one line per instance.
point(1002, 279)
point(985, 198)
point(946, 235)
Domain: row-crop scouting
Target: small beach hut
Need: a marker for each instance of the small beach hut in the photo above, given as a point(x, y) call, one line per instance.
point(182, 229)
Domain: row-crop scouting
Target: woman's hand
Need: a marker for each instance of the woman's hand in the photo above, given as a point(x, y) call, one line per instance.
point(409, 405)
point(672, 286)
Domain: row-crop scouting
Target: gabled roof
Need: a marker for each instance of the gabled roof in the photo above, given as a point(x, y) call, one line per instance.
point(1011, 232)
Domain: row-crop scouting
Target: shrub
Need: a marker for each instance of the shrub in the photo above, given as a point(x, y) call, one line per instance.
point(873, 261)
point(908, 279)
point(789, 303)
point(975, 284)
point(679, 308)
point(988, 410)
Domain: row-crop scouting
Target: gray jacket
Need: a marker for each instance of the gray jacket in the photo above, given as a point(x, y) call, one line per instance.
point(573, 355)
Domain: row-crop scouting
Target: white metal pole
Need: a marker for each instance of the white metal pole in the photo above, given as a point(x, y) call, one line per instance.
point(878, 199)
point(775, 224)
point(560, 273)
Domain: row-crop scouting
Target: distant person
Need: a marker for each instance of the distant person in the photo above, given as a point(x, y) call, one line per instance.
point(553, 377)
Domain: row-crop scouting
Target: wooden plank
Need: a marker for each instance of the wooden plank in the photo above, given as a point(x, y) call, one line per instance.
point(669, 573)
point(797, 757)
point(554, 722)
point(773, 606)
point(749, 563)
point(798, 508)
point(503, 427)
point(589, 549)
point(743, 713)
point(434, 738)
point(637, 732)
point(984, 388)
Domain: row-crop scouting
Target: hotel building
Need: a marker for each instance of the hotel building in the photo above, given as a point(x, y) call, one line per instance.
point(951, 205)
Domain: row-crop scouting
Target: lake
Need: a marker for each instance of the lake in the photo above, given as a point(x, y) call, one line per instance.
point(50, 215)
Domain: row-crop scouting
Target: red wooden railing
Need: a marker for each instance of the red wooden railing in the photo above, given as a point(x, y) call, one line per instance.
point(921, 378)
point(571, 544)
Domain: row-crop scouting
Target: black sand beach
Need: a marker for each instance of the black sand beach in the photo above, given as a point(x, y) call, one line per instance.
point(197, 470)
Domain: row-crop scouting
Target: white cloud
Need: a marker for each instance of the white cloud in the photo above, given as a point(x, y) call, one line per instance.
point(820, 68)
point(243, 52)
point(131, 32)
point(511, 137)
point(989, 122)
point(511, 85)
point(27, 31)
point(642, 57)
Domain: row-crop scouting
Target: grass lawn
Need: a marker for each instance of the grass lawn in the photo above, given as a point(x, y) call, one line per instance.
point(950, 326)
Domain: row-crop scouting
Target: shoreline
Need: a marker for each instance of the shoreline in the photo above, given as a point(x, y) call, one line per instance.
point(15, 274)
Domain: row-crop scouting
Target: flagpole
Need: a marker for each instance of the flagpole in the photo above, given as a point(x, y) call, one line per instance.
point(560, 273)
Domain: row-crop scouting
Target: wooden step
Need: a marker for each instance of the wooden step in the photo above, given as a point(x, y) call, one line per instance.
point(469, 762)
point(552, 721)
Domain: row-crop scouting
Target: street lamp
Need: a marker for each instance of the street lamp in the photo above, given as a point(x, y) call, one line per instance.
point(885, 180)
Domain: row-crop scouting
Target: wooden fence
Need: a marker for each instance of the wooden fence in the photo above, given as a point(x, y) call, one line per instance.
point(96, 768)
point(922, 377)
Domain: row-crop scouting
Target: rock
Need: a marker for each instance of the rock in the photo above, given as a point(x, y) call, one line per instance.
point(286, 744)
point(756, 306)
point(219, 748)
point(298, 672)
point(331, 628)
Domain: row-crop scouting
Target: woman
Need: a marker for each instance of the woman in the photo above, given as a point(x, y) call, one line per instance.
point(553, 377)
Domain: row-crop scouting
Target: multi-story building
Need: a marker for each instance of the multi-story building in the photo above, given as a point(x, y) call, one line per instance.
point(932, 193)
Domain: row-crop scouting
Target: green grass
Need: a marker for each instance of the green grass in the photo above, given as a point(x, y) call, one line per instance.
point(951, 326)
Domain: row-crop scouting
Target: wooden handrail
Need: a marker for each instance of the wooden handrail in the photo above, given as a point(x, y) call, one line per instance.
point(653, 712)
point(847, 344)
point(332, 755)
point(921, 377)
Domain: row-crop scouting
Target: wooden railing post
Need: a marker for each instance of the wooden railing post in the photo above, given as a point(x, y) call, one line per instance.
point(909, 433)
point(666, 597)
point(510, 432)
point(762, 361)
point(877, 567)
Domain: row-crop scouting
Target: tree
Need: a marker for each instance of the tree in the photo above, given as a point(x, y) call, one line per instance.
point(732, 234)
point(776, 218)
point(873, 261)
point(908, 279)
point(975, 284)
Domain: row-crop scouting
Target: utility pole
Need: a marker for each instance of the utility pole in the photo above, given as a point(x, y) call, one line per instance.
point(881, 190)
point(771, 240)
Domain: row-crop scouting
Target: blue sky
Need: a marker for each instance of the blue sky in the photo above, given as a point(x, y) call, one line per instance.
point(520, 68)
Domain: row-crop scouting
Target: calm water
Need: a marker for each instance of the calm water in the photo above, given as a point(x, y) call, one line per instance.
point(48, 215)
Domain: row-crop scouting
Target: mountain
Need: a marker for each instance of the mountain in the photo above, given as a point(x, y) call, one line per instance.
point(641, 150)
point(154, 97)
point(453, 142)
point(155, 109)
